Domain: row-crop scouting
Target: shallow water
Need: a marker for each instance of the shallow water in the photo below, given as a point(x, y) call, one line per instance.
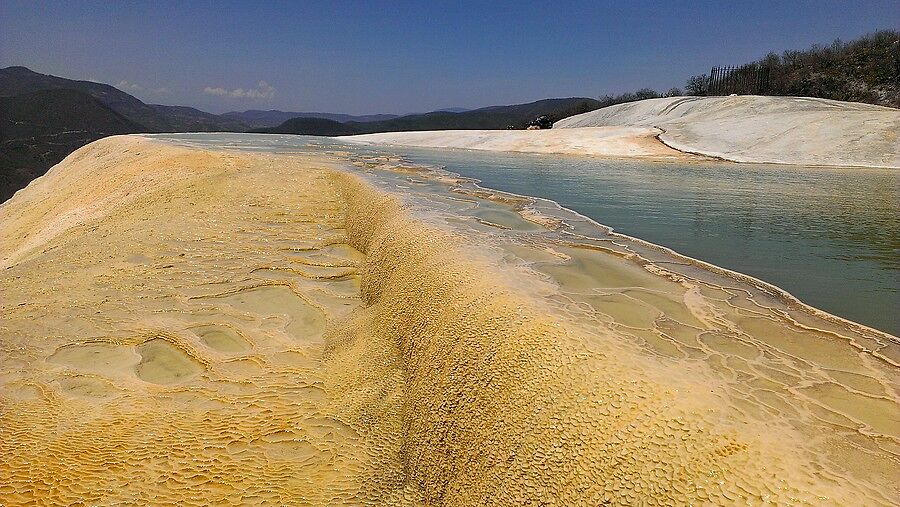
point(782, 367)
point(829, 236)
point(286, 331)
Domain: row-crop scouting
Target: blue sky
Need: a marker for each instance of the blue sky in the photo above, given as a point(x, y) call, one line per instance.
point(399, 57)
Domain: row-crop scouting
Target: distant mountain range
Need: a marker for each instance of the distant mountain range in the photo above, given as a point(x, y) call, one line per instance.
point(255, 118)
point(311, 126)
point(151, 118)
point(38, 129)
point(494, 117)
point(43, 118)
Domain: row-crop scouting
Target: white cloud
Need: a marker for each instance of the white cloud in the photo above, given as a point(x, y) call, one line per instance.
point(215, 91)
point(263, 90)
point(131, 87)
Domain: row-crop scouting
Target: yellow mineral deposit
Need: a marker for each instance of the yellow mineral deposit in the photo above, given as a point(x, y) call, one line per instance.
point(182, 326)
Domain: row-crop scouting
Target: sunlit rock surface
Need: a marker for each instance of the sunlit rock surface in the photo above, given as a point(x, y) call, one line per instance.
point(752, 128)
point(209, 327)
point(607, 141)
point(749, 128)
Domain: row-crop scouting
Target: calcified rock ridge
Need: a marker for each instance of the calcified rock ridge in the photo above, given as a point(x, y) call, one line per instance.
point(748, 128)
point(618, 141)
point(196, 327)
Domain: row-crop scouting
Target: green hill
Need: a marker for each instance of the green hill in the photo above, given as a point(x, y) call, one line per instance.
point(863, 70)
point(494, 117)
point(43, 118)
point(21, 80)
point(151, 118)
point(312, 127)
point(189, 119)
point(257, 119)
point(39, 129)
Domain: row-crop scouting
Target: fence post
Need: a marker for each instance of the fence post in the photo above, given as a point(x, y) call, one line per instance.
point(749, 79)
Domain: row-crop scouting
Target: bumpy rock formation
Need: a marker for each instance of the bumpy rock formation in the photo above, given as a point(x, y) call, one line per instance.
point(191, 327)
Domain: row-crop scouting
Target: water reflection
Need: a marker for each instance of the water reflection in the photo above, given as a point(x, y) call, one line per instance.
point(830, 236)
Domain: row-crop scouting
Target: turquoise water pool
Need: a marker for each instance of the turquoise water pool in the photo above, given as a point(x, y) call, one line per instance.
point(829, 236)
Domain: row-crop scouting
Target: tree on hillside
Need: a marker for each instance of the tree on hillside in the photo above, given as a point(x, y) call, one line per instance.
point(646, 93)
point(864, 70)
point(696, 85)
point(643, 93)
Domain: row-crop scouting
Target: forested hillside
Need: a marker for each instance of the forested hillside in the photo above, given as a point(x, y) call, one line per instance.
point(864, 70)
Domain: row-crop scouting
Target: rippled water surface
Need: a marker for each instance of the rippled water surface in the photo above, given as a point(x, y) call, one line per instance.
point(830, 236)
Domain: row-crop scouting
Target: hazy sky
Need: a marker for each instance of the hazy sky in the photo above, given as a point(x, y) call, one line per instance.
point(399, 57)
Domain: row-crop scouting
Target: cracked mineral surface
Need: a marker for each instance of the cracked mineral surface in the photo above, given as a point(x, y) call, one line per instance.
point(184, 325)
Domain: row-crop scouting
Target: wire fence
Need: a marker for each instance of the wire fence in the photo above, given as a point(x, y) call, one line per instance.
point(744, 80)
